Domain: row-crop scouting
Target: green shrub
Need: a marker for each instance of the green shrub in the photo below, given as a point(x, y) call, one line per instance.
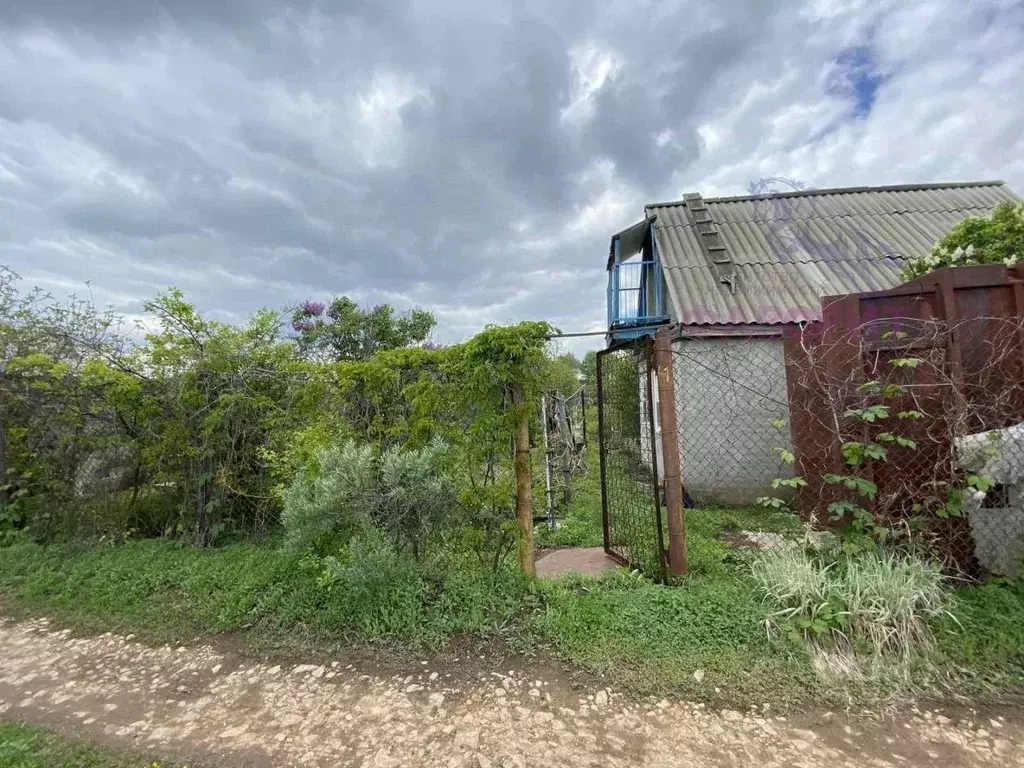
point(331, 503)
point(994, 239)
point(407, 494)
point(414, 496)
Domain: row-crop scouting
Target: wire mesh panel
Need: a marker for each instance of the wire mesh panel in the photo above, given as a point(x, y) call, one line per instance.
point(918, 426)
point(565, 442)
point(629, 475)
point(732, 419)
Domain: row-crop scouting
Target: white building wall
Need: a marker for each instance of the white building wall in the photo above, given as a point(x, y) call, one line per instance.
point(728, 392)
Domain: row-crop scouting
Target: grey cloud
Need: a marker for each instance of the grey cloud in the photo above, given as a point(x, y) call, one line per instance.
point(227, 138)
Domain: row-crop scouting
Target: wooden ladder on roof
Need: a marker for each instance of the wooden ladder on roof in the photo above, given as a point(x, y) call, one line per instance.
point(711, 242)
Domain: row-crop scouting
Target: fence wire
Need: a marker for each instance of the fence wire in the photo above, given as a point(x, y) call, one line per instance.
point(732, 419)
point(629, 478)
point(565, 443)
point(941, 405)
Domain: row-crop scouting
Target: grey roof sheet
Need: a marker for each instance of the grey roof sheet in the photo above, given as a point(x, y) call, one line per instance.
point(790, 249)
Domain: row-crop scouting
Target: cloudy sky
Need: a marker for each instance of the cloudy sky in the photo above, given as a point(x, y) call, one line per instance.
point(471, 158)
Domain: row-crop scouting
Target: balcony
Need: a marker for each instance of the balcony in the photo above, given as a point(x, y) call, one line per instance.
point(636, 298)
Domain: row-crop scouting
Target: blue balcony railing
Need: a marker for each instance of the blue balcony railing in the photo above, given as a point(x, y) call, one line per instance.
point(636, 294)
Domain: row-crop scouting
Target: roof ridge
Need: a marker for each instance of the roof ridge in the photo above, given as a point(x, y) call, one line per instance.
point(841, 191)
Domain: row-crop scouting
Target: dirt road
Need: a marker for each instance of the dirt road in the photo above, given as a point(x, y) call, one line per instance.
point(218, 710)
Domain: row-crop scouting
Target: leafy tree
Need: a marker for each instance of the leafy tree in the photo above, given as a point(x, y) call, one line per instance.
point(562, 374)
point(342, 330)
point(995, 239)
point(588, 369)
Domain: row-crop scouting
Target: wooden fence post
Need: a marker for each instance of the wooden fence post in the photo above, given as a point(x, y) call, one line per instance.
point(524, 482)
point(672, 470)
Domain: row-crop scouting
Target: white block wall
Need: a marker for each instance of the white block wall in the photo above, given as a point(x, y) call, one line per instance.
point(728, 392)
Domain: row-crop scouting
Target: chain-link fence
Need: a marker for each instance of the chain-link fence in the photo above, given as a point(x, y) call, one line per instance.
point(903, 430)
point(629, 476)
point(565, 443)
point(914, 429)
point(731, 410)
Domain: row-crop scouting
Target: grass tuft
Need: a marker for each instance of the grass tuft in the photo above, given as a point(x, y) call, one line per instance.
point(876, 608)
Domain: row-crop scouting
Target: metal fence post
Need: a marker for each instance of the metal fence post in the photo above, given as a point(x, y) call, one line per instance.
point(602, 437)
point(672, 472)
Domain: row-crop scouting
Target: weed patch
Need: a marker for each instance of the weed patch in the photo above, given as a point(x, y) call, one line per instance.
point(24, 747)
point(987, 635)
point(701, 640)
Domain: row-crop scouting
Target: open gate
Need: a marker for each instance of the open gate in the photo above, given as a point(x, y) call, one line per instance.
point(630, 489)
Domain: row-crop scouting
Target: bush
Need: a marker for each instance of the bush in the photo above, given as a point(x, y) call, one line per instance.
point(330, 503)
point(414, 495)
point(994, 239)
point(406, 494)
point(874, 602)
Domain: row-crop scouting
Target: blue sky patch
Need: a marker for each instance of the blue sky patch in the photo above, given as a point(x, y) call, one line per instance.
point(855, 76)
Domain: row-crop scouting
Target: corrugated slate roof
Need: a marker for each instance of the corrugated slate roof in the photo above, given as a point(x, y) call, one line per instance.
point(787, 250)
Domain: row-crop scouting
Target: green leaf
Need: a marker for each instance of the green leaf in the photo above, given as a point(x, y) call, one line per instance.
point(875, 451)
point(906, 362)
point(786, 456)
point(906, 442)
point(981, 482)
point(912, 414)
point(838, 509)
point(789, 482)
point(869, 414)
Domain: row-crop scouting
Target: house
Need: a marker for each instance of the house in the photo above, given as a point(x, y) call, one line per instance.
point(730, 274)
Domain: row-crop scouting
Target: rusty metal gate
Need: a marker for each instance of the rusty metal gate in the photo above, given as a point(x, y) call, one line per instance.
point(630, 490)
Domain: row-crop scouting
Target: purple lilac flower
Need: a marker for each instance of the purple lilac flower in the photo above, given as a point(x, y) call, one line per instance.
point(313, 308)
point(303, 325)
point(432, 345)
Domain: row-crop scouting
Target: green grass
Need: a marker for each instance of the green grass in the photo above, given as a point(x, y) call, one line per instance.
point(648, 638)
point(164, 591)
point(986, 640)
point(708, 553)
point(22, 746)
point(652, 639)
point(580, 524)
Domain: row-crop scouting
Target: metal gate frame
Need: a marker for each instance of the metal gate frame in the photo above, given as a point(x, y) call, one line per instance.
point(644, 349)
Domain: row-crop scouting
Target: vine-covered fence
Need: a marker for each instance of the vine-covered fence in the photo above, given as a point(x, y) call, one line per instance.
point(908, 415)
point(897, 420)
